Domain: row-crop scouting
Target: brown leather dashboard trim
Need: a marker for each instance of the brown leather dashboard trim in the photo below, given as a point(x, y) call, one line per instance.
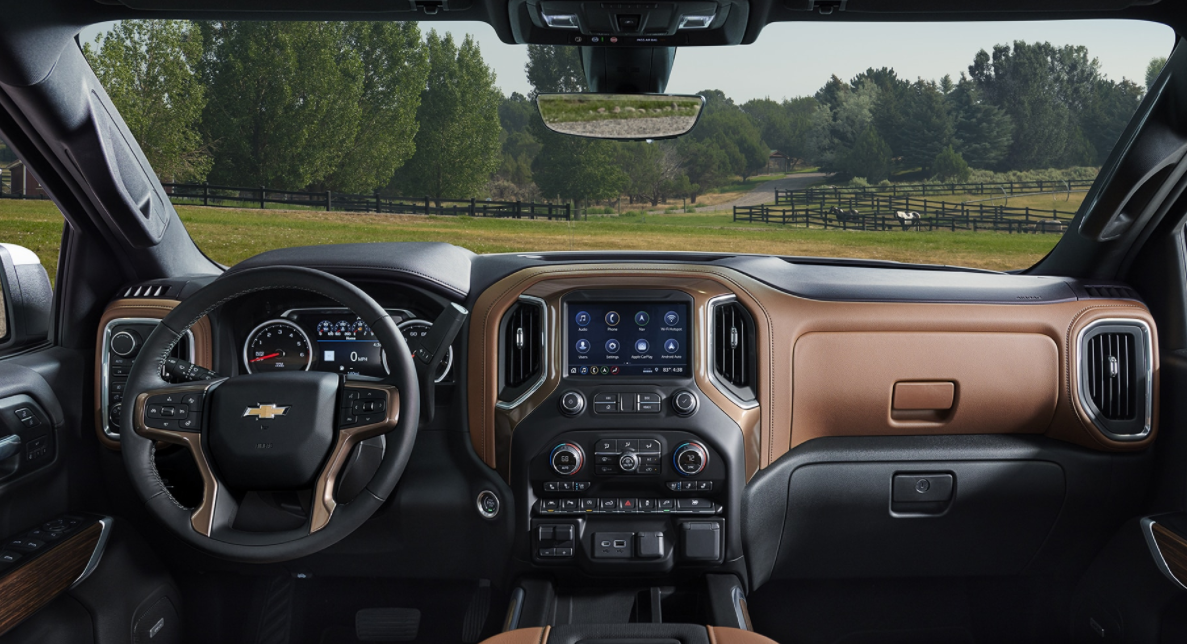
point(996, 383)
point(722, 635)
point(27, 589)
point(781, 320)
point(143, 308)
point(537, 635)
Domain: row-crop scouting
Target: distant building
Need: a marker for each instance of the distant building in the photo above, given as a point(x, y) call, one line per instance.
point(779, 162)
point(20, 181)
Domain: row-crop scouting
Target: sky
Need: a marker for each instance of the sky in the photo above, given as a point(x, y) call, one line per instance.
point(796, 59)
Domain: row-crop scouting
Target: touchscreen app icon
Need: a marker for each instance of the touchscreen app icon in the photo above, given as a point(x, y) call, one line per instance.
point(671, 318)
point(641, 346)
point(583, 346)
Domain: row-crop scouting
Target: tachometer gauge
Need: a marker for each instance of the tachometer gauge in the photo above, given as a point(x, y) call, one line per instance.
point(277, 345)
point(418, 329)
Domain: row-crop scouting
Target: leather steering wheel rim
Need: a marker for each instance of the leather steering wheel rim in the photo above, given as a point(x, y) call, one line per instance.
point(255, 547)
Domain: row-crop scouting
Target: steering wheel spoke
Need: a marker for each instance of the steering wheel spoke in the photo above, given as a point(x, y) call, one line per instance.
point(365, 410)
point(176, 415)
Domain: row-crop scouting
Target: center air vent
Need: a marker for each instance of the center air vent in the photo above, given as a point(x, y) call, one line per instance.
point(733, 353)
point(521, 355)
point(1115, 377)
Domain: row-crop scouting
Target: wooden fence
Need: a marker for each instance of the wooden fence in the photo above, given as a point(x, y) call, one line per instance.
point(1008, 188)
point(876, 213)
point(229, 196)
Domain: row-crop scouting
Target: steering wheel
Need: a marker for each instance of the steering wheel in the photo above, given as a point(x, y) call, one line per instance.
point(286, 430)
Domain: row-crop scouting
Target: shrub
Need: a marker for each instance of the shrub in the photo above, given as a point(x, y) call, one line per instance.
point(950, 166)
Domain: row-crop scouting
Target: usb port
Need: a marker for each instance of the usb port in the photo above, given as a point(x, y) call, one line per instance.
point(620, 543)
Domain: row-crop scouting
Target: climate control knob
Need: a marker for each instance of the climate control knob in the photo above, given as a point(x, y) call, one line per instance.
point(566, 459)
point(684, 402)
point(572, 403)
point(690, 458)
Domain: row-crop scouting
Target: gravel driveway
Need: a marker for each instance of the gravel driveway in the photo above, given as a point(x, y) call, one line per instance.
point(764, 191)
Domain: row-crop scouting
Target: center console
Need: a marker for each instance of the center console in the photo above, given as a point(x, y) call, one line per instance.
point(628, 468)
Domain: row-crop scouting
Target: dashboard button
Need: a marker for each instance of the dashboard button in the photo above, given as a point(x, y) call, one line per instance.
point(605, 398)
point(608, 504)
point(583, 318)
point(552, 486)
point(649, 408)
point(589, 505)
point(582, 346)
point(613, 318)
point(566, 459)
point(607, 446)
point(612, 346)
point(648, 445)
point(628, 505)
point(641, 346)
point(693, 504)
point(642, 318)
point(671, 318)
point(666, 504)
point(649, 398)
point(671, 346)
point(606, 408)
point(572, 403)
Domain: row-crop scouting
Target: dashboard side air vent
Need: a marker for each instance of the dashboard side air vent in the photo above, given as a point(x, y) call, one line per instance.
point(1111, 292)
point(732, 343)
point(522, 358)
point(1116, 383)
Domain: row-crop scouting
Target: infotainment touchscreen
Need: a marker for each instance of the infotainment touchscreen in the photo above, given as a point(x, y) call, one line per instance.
point(628, 338)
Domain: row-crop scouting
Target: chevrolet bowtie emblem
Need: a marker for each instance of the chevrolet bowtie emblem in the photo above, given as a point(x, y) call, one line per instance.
point(266, 412)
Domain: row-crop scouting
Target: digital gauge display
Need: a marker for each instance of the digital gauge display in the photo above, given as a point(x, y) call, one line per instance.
point(338, 342)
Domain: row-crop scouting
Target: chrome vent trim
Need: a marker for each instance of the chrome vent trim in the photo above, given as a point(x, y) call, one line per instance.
point(714, 358)
point(1115, 370)
point(523, 341)
point(148, 290)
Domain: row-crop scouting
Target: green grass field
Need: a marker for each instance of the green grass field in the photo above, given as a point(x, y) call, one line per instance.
point(231, 235)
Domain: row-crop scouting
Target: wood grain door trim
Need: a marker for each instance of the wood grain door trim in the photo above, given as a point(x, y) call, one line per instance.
point(31, 586)
point(1169, 549)
point(151, 309)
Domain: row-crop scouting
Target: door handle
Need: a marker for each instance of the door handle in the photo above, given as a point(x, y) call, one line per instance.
point(9, 446)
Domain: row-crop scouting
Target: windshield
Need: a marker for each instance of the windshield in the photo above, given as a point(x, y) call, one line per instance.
point(969, 144)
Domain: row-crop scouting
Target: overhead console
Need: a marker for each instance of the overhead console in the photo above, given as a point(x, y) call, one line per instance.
point(629, 24)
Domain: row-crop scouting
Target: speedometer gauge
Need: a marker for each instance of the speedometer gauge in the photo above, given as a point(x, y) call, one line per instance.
point(277, 345)
point(418, 329)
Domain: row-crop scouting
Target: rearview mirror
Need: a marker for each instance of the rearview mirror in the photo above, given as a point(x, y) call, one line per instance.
point(620, 116)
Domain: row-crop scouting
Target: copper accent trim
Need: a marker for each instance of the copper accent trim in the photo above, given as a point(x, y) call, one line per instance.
point(148, 308)
point(924, 395)
point(31, 586)
point(323, 492)
point(1169, 549)
point(202, 518)
point(491, 428)
point(781, 320)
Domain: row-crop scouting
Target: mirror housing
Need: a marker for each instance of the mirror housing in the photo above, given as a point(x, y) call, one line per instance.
point(622, 117)
point(26, 297)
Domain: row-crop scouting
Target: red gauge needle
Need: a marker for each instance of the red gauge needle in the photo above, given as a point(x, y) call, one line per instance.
point(270, 355)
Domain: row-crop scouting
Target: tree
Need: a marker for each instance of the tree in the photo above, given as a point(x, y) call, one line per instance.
point(650, 169)
point(1043, 88)
point(949, 166)
point(395, 67)
point(869, 157)
point(983, 132)
point(555, 68)
point(927, 128)
point(1106, 115)
point(783, 126)
point(704, 163)
point(1154, 69)
point(457, 146)
point(577, 169)
point(838, 122)
point(284, 101)
point(149, 69)
point(732, 132)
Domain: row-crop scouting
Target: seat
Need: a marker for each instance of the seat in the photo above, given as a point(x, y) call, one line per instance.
point(635, 633)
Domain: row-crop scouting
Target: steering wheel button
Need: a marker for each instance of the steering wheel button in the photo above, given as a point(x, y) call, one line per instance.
point(192, 422)
point(192, 400)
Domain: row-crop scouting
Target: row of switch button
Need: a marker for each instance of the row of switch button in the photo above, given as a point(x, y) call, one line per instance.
point(35, 540)
point(26, 416)
point(614, 403)
point(620, 505)
point(617, 445)
point(690, 486)
point(566, 486)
